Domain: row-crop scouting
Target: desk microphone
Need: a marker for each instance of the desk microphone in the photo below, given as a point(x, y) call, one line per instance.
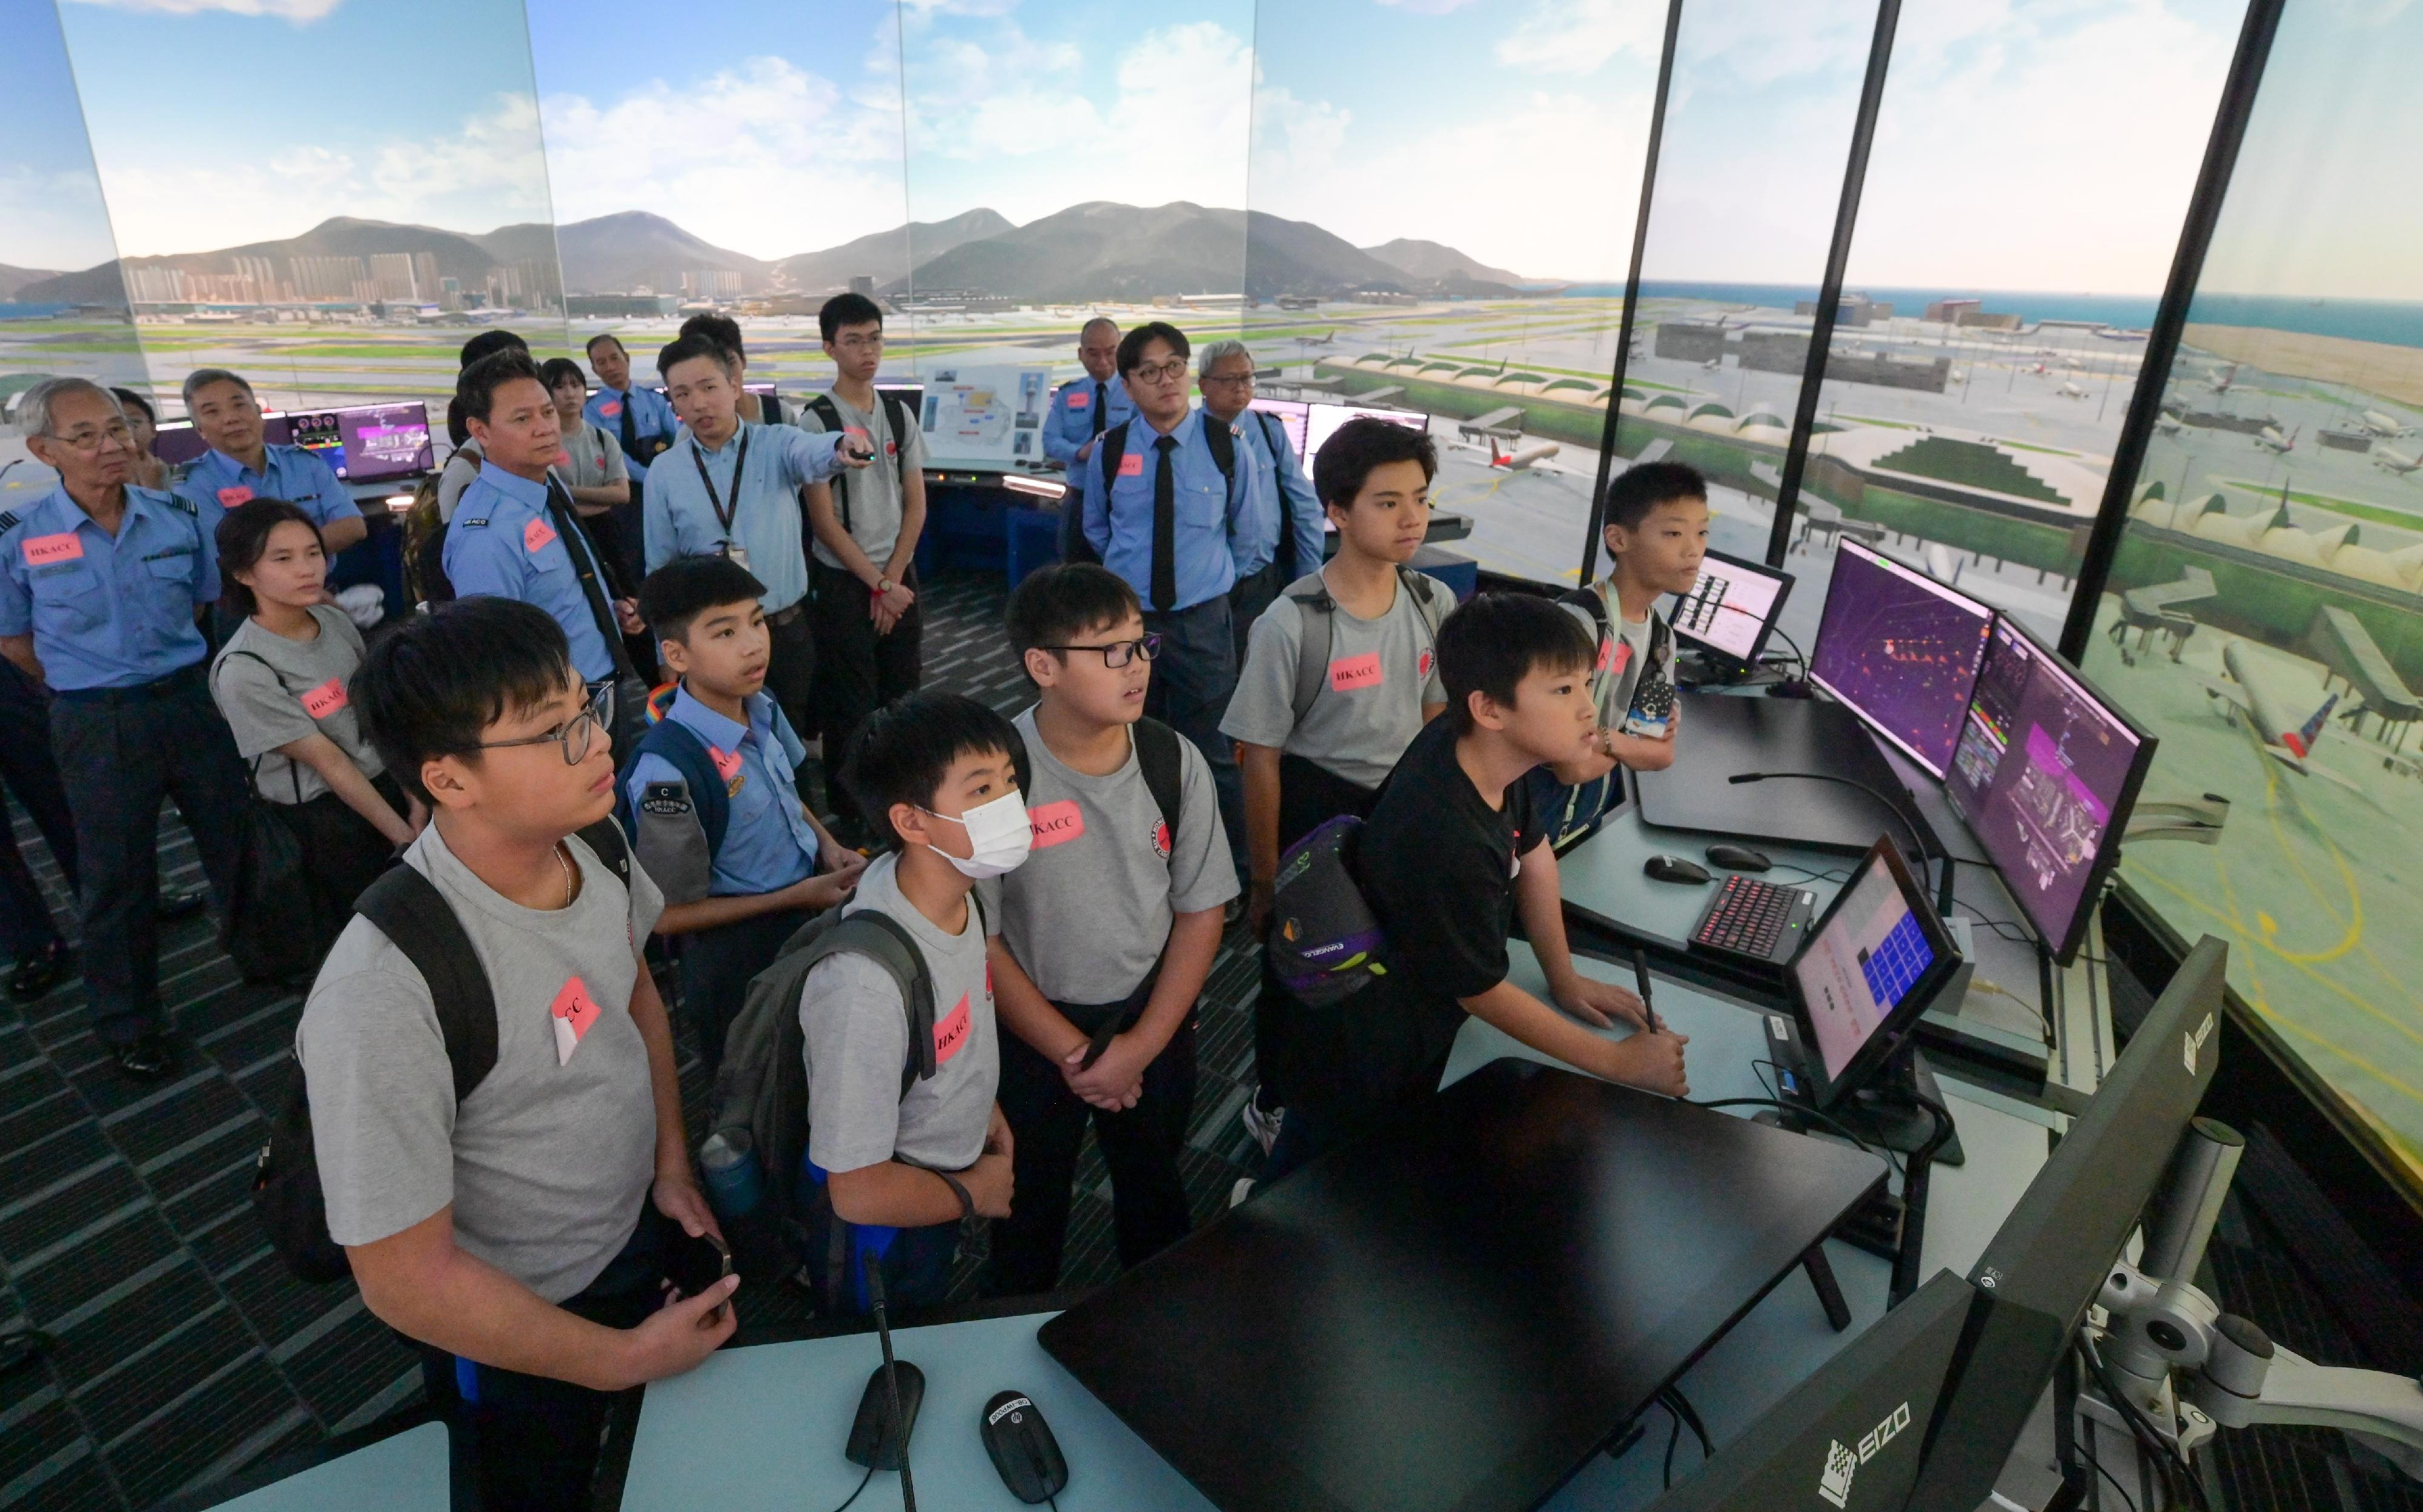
point(1917, 831)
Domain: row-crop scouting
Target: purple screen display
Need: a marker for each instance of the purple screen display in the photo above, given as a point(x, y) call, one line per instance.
point(1902, 650)
point(364, 443)
point(2040, 769)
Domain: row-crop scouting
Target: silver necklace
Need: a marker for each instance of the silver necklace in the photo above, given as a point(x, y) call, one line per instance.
point(561, 861)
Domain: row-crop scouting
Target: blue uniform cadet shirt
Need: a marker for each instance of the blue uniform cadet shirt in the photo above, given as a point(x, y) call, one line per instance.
point(1213, 514)
point(652, 414)
point(768, 842)
point(104, 612)
point(1070, 423)
point(765, 513)
point(1284, 499)
point(502, 543)
point(216, 483)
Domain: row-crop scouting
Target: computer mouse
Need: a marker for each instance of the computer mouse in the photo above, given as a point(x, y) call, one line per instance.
point(872, 1443)
point(1022, 1448)
point(1673, 868)
point(1738, 857)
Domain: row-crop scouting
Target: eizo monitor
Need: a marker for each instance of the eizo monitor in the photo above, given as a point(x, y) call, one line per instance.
point(1732, 607)
point(1900, 651)
point(1294, 418)
point(367, 443)
point(2046, 774)
point(1323, 420)
point(1871, 965)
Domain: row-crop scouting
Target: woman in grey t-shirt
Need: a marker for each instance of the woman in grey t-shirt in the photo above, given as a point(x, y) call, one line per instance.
point(281, 684)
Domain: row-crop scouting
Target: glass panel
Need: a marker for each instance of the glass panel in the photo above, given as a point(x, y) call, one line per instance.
point(1967, 428)
point(332, 242)
point(1399, 258)
point(802, 198)
point(1758, 127)
point(2262, 612)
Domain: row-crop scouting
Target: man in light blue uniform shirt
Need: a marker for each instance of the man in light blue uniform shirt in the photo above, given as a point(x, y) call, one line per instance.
point(733, 488)
point(1082, 409)
point(1286, 542)
point(641, 419)
point(99, 582)
point(1171, 519)
point(241, 465)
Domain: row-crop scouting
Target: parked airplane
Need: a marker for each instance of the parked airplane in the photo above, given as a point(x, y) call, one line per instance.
point(2071, 390)
point(2256, 703)
point(2380, 425)
point(2271, 439)
point(2398, 462)
point(1525, 458)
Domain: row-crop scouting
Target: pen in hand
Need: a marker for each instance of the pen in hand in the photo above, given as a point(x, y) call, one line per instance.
point(1640, 976)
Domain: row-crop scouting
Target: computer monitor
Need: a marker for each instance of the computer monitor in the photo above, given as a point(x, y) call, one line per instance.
point(1871, 965)
point(367, 443)
point(1732, 607)
point(1848, 1439)
point(2045, 773)
point(2046, 1265)
point(1295, 418)
point(1323, 420)
point(1900, 651)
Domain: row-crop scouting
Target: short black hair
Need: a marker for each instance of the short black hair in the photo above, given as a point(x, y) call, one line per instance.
point(1637, 490)
point(590, 346)
point(1131, 345)
point(687, 586)
point(488, 343)
point(556, 369)
point(129, 397)
point(852, 308)
point(722, 331)
point(242, 535)
point(905, 749)
point(1493, 643)
point(1345, 461)
point(683, 348)
point(433, 686)
point(1056, 603)
point(475, 391)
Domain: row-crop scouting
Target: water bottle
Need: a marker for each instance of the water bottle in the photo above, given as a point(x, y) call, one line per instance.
point(734, 1186)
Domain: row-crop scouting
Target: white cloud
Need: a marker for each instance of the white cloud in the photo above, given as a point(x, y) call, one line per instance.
point(762, 157)
point(52, 220)
point(1577, 35)
point(1427, 7)
point(301, 12)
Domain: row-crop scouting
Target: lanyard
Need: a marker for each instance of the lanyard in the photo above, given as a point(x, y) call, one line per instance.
point(715, 501)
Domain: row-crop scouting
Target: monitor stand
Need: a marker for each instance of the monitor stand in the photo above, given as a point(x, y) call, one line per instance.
point(1886, 1114)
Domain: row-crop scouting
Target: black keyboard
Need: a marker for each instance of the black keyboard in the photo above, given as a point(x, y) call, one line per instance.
point(1748, 917)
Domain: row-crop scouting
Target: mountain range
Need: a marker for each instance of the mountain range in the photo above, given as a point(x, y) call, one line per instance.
point(1096, 250)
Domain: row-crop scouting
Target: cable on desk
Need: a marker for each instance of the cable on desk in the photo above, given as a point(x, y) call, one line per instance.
point(1674, 1437)
point(1675, 1398)
point(862, 1485)
point(2175, 1466)
point(2109, 1476)
point(1777, 630)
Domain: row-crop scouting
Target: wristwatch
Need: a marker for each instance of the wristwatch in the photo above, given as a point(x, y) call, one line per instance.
point(883, 585)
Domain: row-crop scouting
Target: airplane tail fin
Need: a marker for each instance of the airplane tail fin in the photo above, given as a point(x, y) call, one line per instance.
point(2302, 741)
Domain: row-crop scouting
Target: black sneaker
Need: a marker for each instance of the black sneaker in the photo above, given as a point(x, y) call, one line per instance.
point(38, 973)
point(148, 1056)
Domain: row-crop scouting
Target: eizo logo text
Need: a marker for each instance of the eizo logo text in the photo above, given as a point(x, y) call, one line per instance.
point(2195, 1042)
point(1834, 1479)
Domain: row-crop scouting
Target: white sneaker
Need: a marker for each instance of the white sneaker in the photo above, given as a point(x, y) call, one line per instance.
point(1243, 1189)
point(1263, 1126)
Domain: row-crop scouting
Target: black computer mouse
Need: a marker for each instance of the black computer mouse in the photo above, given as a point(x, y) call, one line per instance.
point(871, 1440)
point(1673, 868)
point(1738, 857)
point(1022, 1448)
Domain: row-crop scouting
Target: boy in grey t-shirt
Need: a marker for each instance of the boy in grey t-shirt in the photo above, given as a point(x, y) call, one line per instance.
point(518, 1235)
point(1108, 930)
point(938, 773)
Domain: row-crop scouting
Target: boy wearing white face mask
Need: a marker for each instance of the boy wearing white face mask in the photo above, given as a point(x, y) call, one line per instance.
point(938, 773)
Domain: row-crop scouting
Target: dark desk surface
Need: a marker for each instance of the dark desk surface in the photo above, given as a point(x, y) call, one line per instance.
point(1456, 1312)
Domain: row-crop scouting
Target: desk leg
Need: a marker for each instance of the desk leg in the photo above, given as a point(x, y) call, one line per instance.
point(1829, 1292)
point(1914, 1228)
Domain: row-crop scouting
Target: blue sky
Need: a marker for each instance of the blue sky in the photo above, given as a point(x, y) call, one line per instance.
point(51, 210)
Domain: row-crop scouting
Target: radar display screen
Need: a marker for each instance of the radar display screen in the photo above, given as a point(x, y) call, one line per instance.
point(1901, 650)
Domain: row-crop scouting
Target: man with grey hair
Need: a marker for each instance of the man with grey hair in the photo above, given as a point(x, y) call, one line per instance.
point(1082, 409)
point(241, 464)
point(1283, 541)
point(101, 581)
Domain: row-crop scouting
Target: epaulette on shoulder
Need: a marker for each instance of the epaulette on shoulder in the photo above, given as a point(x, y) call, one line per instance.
point(9, 520)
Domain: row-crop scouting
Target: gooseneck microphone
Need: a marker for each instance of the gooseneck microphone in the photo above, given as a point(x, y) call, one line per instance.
point(1918, 832)
point(873, 1268)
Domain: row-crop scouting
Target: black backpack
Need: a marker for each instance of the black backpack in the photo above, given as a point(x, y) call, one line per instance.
point(895, 415)
point(415, 916)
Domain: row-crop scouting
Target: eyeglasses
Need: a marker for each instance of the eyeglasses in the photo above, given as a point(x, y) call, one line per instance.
point(1173, 371)
point(92, 442)
point(1118, 653)
point(576, 735)
point(1231, 379)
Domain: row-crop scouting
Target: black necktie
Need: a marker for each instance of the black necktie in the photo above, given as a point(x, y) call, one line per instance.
point(584, 562)
point(630, 433)
point(1165, 527)
point(1098, 410)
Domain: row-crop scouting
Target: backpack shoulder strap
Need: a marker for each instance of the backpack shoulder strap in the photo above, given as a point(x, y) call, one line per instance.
point(409, 910)
point(606, 839)
point(879, 938)
point(1222, 440)
point(1113, 452)
point(1587, 598)
point(1317, 611)
point(1420, 585)
point(1157, 754)
point(681, 746)
point(1272, 436)
point(895, 415)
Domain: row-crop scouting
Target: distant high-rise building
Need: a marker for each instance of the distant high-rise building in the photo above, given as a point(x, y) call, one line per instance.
point(392, 273)
point(329, 278)
point(1950, 311)
point(156, 283)
point(260, 275)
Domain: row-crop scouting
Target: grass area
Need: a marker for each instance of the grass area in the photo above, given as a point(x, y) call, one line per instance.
point(1970, 464)
point(2048, 451)
point(2352, 509)
point(1874, 419)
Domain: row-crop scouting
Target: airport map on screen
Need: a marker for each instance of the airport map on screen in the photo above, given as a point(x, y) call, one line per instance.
point(384, 442)
point(986, 417)
point(1902, 650)
point(1851, 975)
point(1728, 608)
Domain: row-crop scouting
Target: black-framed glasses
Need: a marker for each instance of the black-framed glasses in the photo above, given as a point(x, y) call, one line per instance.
point(1118, 653)
point(577, 734)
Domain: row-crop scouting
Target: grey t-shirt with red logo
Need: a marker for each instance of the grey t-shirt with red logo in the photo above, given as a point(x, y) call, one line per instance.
point(874, 490)
point(1381, 673)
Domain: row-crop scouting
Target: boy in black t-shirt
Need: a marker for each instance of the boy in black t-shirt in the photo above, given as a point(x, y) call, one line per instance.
point(1450, 855)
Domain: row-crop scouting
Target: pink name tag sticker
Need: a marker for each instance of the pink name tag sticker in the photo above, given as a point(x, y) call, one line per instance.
point(41, 550)
point(562, 459)
point(231, 497)
point(326, 699)
point(1614, 655)
point(1080, 399)
point(1348, 673)
point(1424, 663)
point(573, 1010)
point(611, 409)
point(1056, 823)
point(536, 535)
point(1132, 465)
point(951, 1032)
point(727, 763)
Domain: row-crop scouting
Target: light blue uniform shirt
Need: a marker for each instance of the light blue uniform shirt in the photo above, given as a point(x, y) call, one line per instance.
point(1070, 423)
point(502, 543)
point(765, 510)
point(107, 612)
point(1284, 499)
point(216, 483)
point(652, 414)
point(1212, 513)
point(768, 842)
